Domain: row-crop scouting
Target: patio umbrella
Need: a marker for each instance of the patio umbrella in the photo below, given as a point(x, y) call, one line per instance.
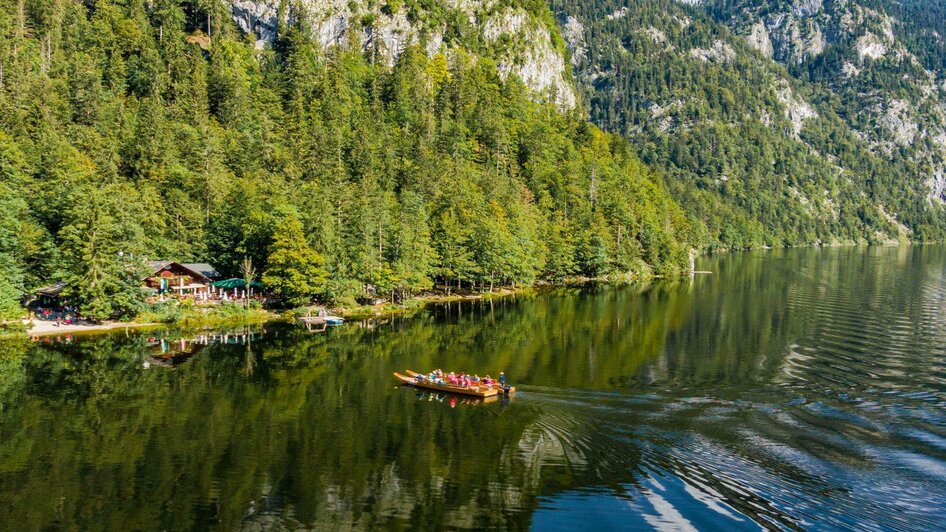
point(229, 284)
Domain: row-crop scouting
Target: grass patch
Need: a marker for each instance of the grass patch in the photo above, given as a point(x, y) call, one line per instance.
point(187, 313)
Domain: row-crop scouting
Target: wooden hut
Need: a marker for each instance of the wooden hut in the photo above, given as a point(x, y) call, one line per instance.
point(174, 278)
point(48, 296)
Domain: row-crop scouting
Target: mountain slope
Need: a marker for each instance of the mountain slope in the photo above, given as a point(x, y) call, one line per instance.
point(699, 91)
point(887, 72)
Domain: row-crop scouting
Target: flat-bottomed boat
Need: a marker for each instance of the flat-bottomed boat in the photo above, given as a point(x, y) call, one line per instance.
point(481, 391)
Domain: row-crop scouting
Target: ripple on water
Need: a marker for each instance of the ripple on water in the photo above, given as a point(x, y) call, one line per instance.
point(700, 462)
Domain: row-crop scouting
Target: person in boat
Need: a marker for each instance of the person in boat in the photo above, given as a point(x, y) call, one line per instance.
point(487, 380)
point(476, 379)
point(502, 378)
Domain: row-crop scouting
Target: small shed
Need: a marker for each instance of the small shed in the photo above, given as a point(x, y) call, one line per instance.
point(48, 296)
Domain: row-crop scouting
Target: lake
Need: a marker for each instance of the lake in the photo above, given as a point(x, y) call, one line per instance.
point(789, 389)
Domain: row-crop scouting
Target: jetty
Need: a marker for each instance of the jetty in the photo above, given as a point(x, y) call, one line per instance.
point(321, 317)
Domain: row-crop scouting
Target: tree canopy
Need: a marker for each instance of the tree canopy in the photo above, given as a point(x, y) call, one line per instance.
point(295, 270)
point(131, 127)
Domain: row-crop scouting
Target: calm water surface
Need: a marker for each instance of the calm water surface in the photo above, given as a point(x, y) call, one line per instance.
point(800, 389)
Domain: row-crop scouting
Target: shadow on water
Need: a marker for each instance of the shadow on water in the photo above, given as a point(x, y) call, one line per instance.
point(790, 389)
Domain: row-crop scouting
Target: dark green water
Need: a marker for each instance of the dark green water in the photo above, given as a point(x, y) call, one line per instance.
point(791, 389)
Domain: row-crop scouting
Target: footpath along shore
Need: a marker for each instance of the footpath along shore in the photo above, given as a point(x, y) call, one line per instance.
point(49, 328)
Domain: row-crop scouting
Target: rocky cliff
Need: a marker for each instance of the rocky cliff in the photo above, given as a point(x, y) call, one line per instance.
point(515, 37)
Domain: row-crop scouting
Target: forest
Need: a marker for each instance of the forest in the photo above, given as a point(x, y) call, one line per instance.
point(134, 130)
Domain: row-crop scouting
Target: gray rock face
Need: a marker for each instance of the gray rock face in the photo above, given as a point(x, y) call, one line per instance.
point(574, 33)
point(937, 185)
point(530, 54)
point(801, 30)
point(797, 110)
point(720, 51)
point(807, 8)
point(256, 18)
point(795, 39)
point(759, 39)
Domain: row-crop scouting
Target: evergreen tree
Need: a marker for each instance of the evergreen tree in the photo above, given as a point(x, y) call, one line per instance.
point(414, 258)
point(295, 272)
point(102, 242)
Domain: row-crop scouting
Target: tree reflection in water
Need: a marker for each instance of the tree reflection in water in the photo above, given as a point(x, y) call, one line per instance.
point(779, 390)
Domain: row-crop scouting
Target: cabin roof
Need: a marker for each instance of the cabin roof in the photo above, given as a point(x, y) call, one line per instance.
point(154, 266)
point(203, 268)
point(199, 270)
point(53, 290)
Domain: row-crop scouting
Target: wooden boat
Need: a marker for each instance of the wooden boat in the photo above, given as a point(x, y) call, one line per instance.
point(498, 387)
point(475, 391)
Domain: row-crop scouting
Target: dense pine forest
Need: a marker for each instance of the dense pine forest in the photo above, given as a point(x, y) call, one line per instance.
point(136, 130)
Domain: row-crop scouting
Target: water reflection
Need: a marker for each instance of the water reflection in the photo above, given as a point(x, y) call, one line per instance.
point(792, 389)
point(454, 400)
point(170, 348)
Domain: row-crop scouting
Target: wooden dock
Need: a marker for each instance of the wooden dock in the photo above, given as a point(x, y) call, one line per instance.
point(321, 317)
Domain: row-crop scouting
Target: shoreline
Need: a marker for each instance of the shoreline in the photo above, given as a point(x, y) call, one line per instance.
point(367, 312)
point(372, 312)
point(414, 304)
point(44, 328)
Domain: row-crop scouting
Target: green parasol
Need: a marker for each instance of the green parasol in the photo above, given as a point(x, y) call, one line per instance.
point(230, 284)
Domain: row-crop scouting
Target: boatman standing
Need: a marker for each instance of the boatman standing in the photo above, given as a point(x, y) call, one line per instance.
point(502, 379)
